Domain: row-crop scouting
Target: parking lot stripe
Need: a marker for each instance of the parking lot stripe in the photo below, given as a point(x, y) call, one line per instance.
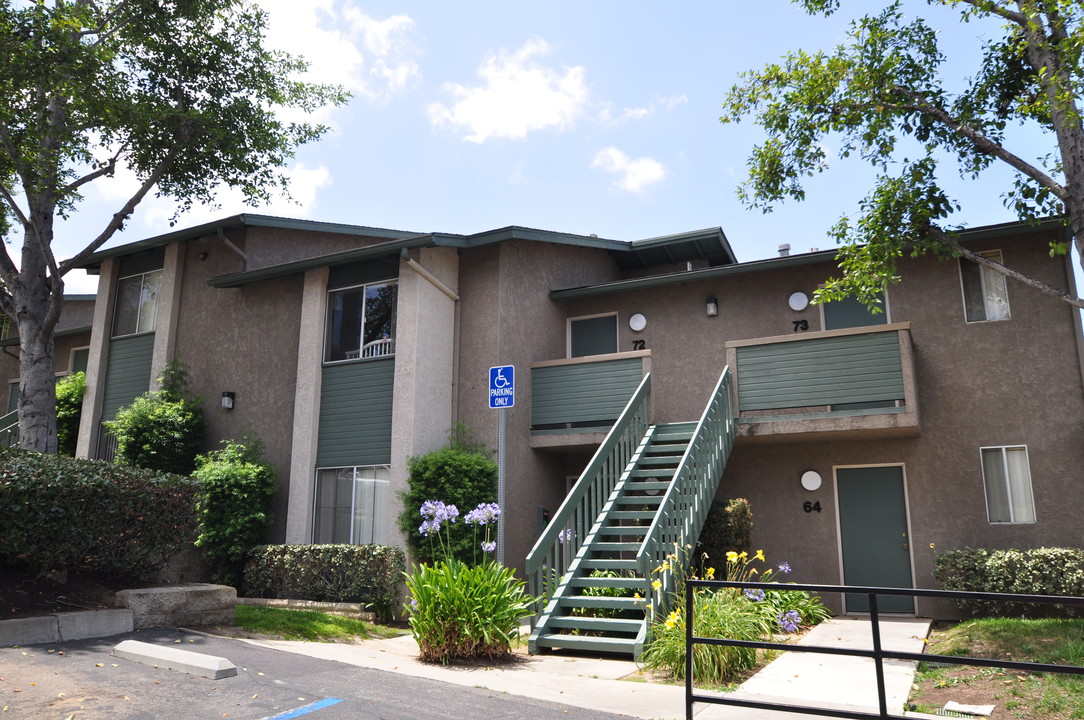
point(306, 709)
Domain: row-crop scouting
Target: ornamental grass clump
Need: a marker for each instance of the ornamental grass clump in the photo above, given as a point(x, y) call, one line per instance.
point(461, 611)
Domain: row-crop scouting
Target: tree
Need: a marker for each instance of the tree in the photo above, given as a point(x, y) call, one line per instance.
point(181, 92)
point(882, 96)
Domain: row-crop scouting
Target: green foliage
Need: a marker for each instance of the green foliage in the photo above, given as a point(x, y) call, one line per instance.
point(464, 612)
point(69, 408)
point(370, 574)
point(459, 475)
point(161, 430)
point(61, 512)
point(1039, 571)
point(728, 526)
point(237, 491)
point(883, 96)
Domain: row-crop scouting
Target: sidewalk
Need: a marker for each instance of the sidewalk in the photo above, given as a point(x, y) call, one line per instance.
point(828, 681)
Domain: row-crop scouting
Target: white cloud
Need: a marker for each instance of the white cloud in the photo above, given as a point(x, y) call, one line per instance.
point(634, 174)
point(609, 117)
point(517, 95)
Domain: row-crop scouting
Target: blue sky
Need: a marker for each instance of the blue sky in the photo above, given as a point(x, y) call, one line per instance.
point(584, 117)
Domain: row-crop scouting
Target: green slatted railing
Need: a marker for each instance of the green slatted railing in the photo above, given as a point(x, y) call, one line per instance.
point(9, 429)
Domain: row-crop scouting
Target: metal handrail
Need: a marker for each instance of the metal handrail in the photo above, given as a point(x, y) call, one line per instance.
point(9, 429)
point(566, 532)
point(684, 507)
point(878, 654)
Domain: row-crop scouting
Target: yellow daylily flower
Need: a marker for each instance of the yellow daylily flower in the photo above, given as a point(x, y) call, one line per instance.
point(732, 556)
point(760, 555)
point(657, 584)
point(710, 574)
point(743, 555)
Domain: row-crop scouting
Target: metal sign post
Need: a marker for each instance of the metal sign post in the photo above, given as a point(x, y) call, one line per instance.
point(502, 395)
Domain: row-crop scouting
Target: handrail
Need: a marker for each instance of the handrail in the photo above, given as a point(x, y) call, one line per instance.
point(9, 429)
point(562, 538)
point(684, 507)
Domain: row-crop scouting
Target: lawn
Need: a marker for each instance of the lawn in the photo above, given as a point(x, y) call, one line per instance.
point(1016, 693)
point(308, 625)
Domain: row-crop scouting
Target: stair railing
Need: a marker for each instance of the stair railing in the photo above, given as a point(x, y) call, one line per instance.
point(684, 507)
point(9, 429)
point(568, 528)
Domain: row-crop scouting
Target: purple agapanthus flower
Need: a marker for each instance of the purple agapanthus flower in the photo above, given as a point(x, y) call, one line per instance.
point(788, 621)
point(565, 536)
point(484, 514)
point(488, 547)
point(756, 595)
point(784, 568)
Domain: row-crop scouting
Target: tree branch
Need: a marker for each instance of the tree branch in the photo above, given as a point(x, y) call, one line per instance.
point(1037, 285)
point(982, 143)
point(108, 169)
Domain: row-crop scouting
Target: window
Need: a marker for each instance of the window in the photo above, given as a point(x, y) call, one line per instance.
point(986, 296)
point(1008, 484)
point(137, 303)
point(595, 335)
point(360, 322)
point(352, 506)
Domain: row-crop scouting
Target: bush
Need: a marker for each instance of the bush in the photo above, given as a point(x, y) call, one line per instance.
point(728, 527)
point(234, 510)
point(61, 512)
point(460, 475)
point(464, 612)
point(1040, 571)
point(69, 407)
point(161, 430)
point(369, 574)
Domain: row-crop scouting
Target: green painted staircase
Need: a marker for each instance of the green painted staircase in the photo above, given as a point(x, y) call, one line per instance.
point(646, 490)
point(583, 613)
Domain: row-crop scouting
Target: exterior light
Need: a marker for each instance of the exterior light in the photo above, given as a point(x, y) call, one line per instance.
point(712, 307)
point(227, 400)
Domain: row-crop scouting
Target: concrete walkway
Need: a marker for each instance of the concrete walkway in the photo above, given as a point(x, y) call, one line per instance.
point(827, 681)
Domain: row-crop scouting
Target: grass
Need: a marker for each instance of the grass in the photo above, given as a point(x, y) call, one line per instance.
point(1019, 694)
point(308, 625)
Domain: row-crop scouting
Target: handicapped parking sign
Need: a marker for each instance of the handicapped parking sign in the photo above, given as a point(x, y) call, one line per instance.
point(502, 384)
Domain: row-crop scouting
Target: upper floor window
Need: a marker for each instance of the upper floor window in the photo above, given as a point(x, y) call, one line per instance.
point(360, 322)
point(1007, 477)
point(986, 296)
point(592, 335)
point(137, 303)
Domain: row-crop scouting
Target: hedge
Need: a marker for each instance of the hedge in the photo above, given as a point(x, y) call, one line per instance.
point(61, 512)
point(369, 574)
point(1040, 571)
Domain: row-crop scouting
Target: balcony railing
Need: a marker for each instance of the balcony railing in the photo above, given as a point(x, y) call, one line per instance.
point(585, 394)
point(854, 381)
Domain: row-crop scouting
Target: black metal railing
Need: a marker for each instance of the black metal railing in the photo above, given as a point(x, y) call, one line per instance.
point(878, 654)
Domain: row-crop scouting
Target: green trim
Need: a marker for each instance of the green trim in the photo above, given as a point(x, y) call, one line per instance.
point(14, 341)
point(821, 415)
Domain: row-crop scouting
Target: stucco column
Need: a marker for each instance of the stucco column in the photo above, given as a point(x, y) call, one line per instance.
point(306, 408)
point(425, 343)
point(169, 307)
point(98, 357)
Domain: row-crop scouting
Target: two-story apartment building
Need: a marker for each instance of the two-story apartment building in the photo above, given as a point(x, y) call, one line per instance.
point(866, 442)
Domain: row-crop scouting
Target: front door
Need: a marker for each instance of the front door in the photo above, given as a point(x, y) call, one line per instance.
point(874, 535)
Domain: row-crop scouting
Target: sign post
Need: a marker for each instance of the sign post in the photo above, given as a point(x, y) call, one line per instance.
point(502, 395)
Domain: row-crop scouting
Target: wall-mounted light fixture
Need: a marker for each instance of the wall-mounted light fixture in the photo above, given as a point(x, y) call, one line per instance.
point(711, 305)
point(227, 400)
point(811, 480)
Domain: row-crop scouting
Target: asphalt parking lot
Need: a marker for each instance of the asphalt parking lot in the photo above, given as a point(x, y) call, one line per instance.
point(81, 680)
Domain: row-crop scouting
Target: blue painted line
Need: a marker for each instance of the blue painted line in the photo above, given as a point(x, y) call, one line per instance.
point(306, 709)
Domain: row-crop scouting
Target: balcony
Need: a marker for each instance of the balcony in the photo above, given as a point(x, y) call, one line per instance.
point(575, 401)
point(853, 383)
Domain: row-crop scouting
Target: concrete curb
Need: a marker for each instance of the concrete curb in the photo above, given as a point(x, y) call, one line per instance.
point(60, 627)
point(168, 658)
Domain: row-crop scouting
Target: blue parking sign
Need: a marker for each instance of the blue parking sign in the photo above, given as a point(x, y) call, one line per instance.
point(502, 386)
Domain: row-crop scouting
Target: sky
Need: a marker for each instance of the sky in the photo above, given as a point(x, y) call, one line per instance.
point(597, 117)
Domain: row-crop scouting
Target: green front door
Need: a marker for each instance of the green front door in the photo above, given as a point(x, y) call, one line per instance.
point(874, 536)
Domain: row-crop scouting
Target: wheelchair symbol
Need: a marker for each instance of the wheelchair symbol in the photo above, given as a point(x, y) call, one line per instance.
point(499, 380)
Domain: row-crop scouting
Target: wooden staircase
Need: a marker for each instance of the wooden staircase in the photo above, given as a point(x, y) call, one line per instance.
point(596, 607)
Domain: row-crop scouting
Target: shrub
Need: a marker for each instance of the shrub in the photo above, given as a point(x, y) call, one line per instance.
point(727, 527)
point(462, 476)
point(161, 430)
point(234, 510)
point(369, 574)
point(1040, 571)
point(69, 407)
point(86, 514)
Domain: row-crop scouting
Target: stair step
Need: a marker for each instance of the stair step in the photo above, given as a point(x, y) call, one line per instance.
point(625, 646)
point(630, 515)
point(601, 602)
point(652, 473)
point(633, 583)
point(668, 448)
point(657, 460)
point(604, 564)
point(640, 500)
point(614, 546)
point(646, 485)
point(622, 530)
point(615, 625)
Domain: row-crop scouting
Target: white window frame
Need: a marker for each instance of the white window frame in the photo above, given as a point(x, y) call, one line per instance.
point(360, 353)
point(997, 257)
point(1013, 501)
point(568, 330)
point(378, 513)
point(140, 308)
point(71, 358)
